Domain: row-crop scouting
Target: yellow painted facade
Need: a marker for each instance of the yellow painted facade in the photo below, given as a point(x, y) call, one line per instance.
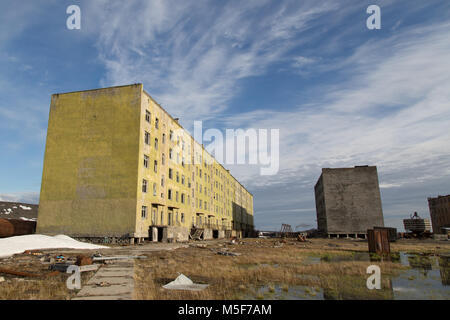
point(118, 165)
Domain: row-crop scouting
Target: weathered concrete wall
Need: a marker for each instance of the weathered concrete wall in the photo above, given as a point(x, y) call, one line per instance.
point(221, 234)
point(352, 200)
point(179, 234)
point(91, 162)
point(207, 234)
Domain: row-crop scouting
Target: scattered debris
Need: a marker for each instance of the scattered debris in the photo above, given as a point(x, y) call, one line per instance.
point(61, 267)
point(184, 283)
point(83, 260)
point(227, 253)
point(196, 235)
point(2, 279)
point(103, 284)
point(199, 245)
point(34, 252)
point(118, 258)
point(17, 273)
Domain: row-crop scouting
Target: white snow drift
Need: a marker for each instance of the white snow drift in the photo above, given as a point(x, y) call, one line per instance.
point(13, 245)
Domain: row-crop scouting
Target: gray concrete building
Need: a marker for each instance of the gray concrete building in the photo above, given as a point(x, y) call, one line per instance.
point(348, 201)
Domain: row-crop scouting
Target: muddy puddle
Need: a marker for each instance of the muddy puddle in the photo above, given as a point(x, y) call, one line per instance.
point(427, 277)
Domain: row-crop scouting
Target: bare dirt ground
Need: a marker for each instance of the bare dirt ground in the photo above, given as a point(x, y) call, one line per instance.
point(249, 269)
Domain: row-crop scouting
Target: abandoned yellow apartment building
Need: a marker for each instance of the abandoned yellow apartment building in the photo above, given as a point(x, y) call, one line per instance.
point(117, 166)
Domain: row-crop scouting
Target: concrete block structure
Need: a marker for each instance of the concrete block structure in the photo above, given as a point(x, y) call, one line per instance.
point(118, 166)
point(348, 201)
point(440, 213)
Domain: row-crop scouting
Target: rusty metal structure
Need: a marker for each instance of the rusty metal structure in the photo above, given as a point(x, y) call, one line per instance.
point(379, 240)
point(286, 231)
point(16, 227)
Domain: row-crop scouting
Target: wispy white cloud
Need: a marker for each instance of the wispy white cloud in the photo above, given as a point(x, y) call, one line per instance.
point(25, 197)
point(392, 111)
point(192, 56)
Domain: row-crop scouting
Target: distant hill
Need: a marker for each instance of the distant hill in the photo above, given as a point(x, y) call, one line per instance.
point(18, 210)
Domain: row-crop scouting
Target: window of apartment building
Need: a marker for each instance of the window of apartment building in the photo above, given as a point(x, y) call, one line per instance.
point(182, 217)
point(178, 177)
point(189, 183)
point(170, 173)
point(155, 168)
point(154, 189)
point(162, 181)
point(171, 135)
point(169, 218)
point(156, 123)
point(178, 158)
point(200, 204)
point(147, 137)
point(144, 212)
point(176, 196)
point(156, 143)
point(182, 198)
point(144, 185)
point(162, 217)
point(170, 153)
point(163, 159)
point(182, 179)
point(148, 116)
point(169, 194)
point(182, 162)
point(163, 138)
point(146, 161)
point(200, 171)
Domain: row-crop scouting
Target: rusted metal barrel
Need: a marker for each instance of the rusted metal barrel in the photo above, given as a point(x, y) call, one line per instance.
point(16, 227)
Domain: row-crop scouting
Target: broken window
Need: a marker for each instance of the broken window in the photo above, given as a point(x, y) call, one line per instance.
point(146, 161)
point(144, 212)
point(147, 138)
point(147, 116)
point(144, 185)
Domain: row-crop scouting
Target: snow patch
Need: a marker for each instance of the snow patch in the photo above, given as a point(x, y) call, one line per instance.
point(26, 219)
point(18, 244)
point(7, 211)
point(25, 207)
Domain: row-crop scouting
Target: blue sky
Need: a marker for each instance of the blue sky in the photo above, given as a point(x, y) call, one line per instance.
point(341, 95)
